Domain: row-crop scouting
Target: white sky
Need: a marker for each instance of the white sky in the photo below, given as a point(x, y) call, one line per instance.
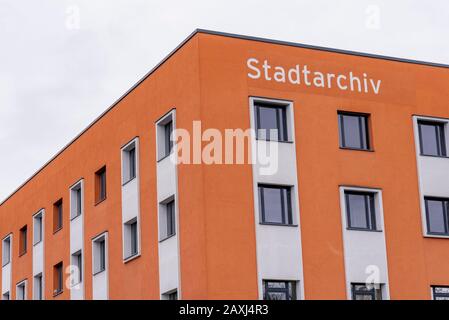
point(62, 63)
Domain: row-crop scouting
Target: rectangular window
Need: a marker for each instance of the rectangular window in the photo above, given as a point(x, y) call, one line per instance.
point(38, 290)
point(38, 226)
point(275, 204)
point(353, 131)
point(362, 291)
point(76, 200)
point(57, 216)
point(271, 121)
point(164, 131)
point(279, 290)
point(99, 251)
point(21, 291)
point(100, 185)
point(432, 138)
point(168, 143)
point(6, 296)
point(437, 210)
point(167, 219)
point(440, 292)
point(131, 239)
point(57, 278)
point(173, 295)
point(6, 250)
point(77, 262)
point(23, 240)
point(360, 210)
point(129, 162)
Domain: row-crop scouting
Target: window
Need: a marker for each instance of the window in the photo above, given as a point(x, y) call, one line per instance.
point(131, 239)
point(100, 185)
point(164, 131)
point(77, 263)
point(6, 250)
point(37, 225)
point(99, 252)
point(21, 291)
point(38, 287)
point(360, 210)
point(168, 143)
point(432, 138)
point(57, 215)
point(76, 201)
point(23, 240)
point(57, 279)
point(167, 219)
point(172, 295)
point(362, 291)
point(129, 162)
point(279, 290)
point(440, 293)
point(271, 121)
point(6, 296)
point(275, 204)
point(437, 215)
point(354, 131)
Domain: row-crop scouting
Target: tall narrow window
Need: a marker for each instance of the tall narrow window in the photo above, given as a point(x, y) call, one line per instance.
point(77, 262)
point(168, 129)
point(76, 200)
point(440, 292)
point(279, 290)
point(131, 239)
point(271, 121)
point(100, 185)
point(167, 219)
point(57, 279)
point(275, 204)
point(360, 210)
point(99, 253)
point(164, 131)
point(361, 291)
point(23, 240)
point(432, 139)
point(437, 211)
point(6, 296)
point(6, 251)
point(21, 291)
point(37, 224)
point(38, 290)
point(354, 131)
point(129, 166)
point(57, 216)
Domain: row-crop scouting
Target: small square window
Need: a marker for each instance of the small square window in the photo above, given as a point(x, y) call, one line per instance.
point(77, 263)
point(129, 166)
point(440, 292)
point(432, 138)
point(23, 240)
point(275, 204)
point(167, 219)
point(100, 185)
point(362, 291)
point(131, 239)
point(57, 278)
point(6, 251)
point(279, 290)
point(99, 250)
point(38, 226)
point(271, 121)
point(437, 210)
point(57, 216)
point(353, 131)
point(360, 210)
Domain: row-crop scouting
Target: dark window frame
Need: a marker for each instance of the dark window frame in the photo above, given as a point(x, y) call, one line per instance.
point(168, 142)
point(439, 134)
point(289, 285)
point(58, 215)
point(23, 240)
point(371, 217)
point(445, 215)
point(341, 131)
point(40, 286)
point(287, 215)
point(436, 295)
point(366, 292)
point(100, 185)
point(281, 120)
point(58, 279)
point(38, 216)
point(79, 263)
point(7, 239)
point(101, 243)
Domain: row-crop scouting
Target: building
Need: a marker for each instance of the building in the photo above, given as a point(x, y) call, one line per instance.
point(359, 193)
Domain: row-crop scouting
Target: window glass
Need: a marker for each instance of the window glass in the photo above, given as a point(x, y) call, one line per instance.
point(353, 131)
point(436, 215)
point(275, 204)
point(360, 210)
point(280, 290)
point(432, 139)
point(271, 122)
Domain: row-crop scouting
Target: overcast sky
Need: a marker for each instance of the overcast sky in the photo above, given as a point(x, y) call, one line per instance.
point(62, 63)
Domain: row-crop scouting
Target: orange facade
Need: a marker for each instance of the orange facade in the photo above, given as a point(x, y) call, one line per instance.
point(206, 79)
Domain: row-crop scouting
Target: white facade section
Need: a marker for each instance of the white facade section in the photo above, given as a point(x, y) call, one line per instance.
point(433, 172)
point(38, 248)
point(76, 239)
point(100, 279)
point(365, 253)
point(6, 267)
point(167, 189)
point(279, 249)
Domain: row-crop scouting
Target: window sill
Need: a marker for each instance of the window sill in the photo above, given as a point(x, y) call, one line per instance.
point(356, 149)
point(4, 265)
point(164, 157)
point(22, 254)
point(99, 272)
point(57, 293)
point(168, 237)
point(73, 218)
point(99, 201)
point(362, 229)
point(277, 224)
point(131, 258)
point(280, 141)
point(128, 181)
point(35, 244)
point(433, 156)
point(57, 230)
point(436, 235)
